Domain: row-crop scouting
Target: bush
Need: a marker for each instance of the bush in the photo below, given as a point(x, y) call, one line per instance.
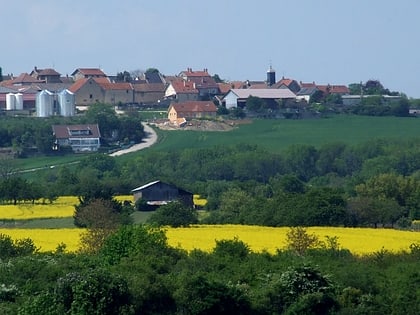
point(174, 214)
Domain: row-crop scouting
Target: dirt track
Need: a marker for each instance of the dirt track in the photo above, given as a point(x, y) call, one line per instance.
point(149, 140)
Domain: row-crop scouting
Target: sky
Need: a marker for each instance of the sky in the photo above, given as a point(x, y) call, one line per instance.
point(326, 41)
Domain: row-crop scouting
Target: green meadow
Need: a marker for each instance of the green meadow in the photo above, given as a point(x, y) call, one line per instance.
point(278, 134)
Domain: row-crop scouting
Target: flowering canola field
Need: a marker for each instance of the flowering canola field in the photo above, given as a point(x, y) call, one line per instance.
point(358, 240)
point(259, 238)
point(61, 208)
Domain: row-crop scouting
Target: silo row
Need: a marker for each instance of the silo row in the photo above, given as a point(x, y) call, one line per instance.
point(14, 101)
point(45, 101)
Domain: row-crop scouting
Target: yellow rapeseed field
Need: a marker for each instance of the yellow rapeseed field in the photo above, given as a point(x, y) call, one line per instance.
point(258, 238)
point(61, 208)
point(48, 239)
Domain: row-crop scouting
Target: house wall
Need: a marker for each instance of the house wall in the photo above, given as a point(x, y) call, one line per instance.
point(147, 97)
point(118, 96)
point(89, 93)
point(231, 100)
point(172, 114)
point(184, 97)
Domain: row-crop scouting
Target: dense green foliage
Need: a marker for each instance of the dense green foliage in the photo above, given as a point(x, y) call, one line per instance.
point(136, 272)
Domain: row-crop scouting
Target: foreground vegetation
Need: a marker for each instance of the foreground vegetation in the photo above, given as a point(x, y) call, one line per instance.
point(136, 271)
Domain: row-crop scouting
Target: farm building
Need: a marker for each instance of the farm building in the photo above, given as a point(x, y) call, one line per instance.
point(191, 109)
point(238, 97)
point(158, 193)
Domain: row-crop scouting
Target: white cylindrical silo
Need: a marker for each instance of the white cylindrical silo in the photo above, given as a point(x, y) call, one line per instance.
point(66, 103)
point(44, 103)
point(10, 101)
point(19, 101)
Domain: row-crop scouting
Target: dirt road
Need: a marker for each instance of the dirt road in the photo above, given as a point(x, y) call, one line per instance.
point(149, 140)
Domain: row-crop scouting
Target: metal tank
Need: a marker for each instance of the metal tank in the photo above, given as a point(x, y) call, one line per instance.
point(66, 103)
point(19, 101)
point(44, 104)
point(10, 101)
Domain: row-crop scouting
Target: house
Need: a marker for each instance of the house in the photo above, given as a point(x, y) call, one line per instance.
point(191, 109)
point(47, 75)
point(100, 90)
point(333, 89)
point(306, 93)
point(291, 84)
point(203, 82)
point(81, 138)
point(85, 73)
point(238, 97)
point(182, 91)
point(158, 193)
point(148, 93)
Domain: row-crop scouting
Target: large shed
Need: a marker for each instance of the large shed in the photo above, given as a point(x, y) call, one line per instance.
point(158, 193)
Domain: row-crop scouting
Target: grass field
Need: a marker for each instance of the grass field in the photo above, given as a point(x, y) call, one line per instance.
point(277, 135)
point(358, 240)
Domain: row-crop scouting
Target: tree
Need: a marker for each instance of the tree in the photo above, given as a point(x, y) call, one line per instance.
point(124, 77)
point(199, 295)
point(254, 104)
point(83, 292)
point(217, 79)
point(299, 241)
point(1, 74)
point(174, 214)
point(131, 128)
point(106, 118)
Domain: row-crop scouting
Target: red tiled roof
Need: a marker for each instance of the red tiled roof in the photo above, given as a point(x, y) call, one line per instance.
point(191, 73)
point(63, 131)
point(115, 86)
point(102, 82)
point(25, 78)
point(48, 71)
point(90, 72)
point(149, 87)
point(194, 107)
point(334, 89)
point(182, 86)
point(77, 85)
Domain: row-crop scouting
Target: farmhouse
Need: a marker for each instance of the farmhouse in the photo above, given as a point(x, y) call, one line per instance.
point(238, 97)
point(81, 138)
point(192, 109)
point(158, 193)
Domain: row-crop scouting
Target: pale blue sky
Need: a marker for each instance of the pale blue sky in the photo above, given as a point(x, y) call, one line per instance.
point(326, 41)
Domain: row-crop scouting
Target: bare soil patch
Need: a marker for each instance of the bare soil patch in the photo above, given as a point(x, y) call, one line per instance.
point(203, 125)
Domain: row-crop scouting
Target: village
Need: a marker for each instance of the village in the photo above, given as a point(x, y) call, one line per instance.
point(196, 93)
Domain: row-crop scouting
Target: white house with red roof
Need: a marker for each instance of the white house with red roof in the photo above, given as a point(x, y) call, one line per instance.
point(81, 138)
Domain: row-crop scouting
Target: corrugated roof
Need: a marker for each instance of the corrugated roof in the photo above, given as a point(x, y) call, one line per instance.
point(264, 93)
point(145, 186)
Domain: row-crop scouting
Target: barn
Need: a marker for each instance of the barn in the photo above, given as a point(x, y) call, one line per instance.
point(158, 193)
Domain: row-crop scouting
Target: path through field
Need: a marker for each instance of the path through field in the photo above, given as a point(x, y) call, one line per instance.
point(149, 140)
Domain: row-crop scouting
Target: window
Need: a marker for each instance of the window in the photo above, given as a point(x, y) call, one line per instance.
point(90, 96)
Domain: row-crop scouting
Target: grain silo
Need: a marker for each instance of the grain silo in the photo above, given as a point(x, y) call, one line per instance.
point(66, 104)
point(19, 101)
point(44, 103)
point(10, 101)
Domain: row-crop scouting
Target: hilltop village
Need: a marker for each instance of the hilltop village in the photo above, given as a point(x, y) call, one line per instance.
point(191, 93)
